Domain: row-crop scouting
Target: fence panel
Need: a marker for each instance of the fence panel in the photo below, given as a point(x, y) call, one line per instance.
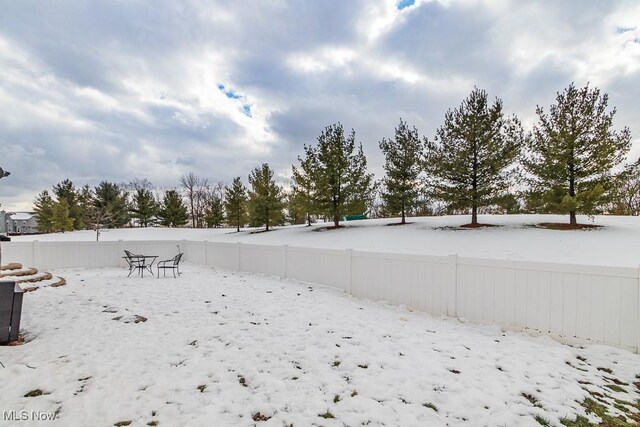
point(263, 259)
point(326, 266)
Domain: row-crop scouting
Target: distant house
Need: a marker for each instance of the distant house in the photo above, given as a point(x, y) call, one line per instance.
point(18, 223)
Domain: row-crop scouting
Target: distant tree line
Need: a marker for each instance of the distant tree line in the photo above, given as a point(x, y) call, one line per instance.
point(480, 160)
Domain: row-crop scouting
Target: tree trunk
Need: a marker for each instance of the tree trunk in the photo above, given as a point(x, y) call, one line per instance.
point(403, 220)
point(267, 218)
point(474, 215)
point(572, 218)
point(336, 220)
point(309, 220)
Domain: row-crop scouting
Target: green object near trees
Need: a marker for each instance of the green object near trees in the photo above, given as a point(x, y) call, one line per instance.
point(342, 185)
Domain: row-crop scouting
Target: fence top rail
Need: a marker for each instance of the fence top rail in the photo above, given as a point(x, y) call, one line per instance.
point(595, 270)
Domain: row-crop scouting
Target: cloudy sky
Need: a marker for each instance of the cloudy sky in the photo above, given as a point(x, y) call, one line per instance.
point(116, 90)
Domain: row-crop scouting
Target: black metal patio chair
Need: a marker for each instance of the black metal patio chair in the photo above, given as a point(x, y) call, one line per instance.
point(173, 264)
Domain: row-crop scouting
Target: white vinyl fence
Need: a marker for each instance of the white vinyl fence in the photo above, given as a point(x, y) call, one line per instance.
point(587, 303)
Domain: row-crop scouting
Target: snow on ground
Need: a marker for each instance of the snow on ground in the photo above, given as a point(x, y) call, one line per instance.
point(615, 244)
point(216, 347)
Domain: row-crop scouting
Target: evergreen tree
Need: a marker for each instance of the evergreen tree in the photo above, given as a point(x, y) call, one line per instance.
point(236, 204)
point(468, 161)
point(303, 196)
point(572, 151)
point(214, 211)
point(85, 200)
point(265, 198)
point(402, 168)
point(297, 207)
point(144, 207)
point(342, 185)
point(173, 212)
point(61, 220)
point(67, 191)
point(43, 208)
point(109, 196)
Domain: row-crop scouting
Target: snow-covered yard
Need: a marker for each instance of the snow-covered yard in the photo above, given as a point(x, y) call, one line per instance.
point(228, 348)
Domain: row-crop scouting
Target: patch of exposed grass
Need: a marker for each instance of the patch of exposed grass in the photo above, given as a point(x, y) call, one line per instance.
point(594, 407)
point(202, 388)
point(336, 363)
point(327, 415)
point(532, 399)
point(607, 370)
point(123, 423)
point(336, 398)
point(243, 381)
point(363, 366)
point(34, 393)
point(616, 388)
point(153, 423)
point(430, 406)
point(578, 422)
point(542, 420)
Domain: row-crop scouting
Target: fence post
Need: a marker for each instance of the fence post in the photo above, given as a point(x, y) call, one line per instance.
point(120, 251)
point(239, 247)
point(285, 254)
point(349, 270)
point(452, 294)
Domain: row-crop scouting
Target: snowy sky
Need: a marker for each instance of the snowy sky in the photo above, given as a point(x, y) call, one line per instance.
point(94, 90)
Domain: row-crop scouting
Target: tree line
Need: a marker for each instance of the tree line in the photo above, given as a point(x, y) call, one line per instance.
point(479, 160)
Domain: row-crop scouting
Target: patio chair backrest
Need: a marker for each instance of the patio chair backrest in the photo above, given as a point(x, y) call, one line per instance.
point(176, 259)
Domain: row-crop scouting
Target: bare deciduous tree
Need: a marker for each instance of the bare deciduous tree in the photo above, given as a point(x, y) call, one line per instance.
point(196, 192)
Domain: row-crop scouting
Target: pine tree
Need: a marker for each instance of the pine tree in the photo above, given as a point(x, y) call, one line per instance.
point(85, 200)
point(236, 204)
point(109, 196)
point(402, 169)
point(572, 151)
point(214, 211)
point(61, 220)
point(342, 185)
point(43, 208)
point(67, 191)
point(173, 212)
point(265, 198)
point(296, 203)
point(468, 161)
point(303, 196)
point(144, 207)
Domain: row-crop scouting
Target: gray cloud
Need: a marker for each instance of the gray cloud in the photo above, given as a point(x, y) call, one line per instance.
point(116, 90)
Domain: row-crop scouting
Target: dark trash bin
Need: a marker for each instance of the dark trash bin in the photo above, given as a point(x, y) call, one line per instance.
point(10, 310)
